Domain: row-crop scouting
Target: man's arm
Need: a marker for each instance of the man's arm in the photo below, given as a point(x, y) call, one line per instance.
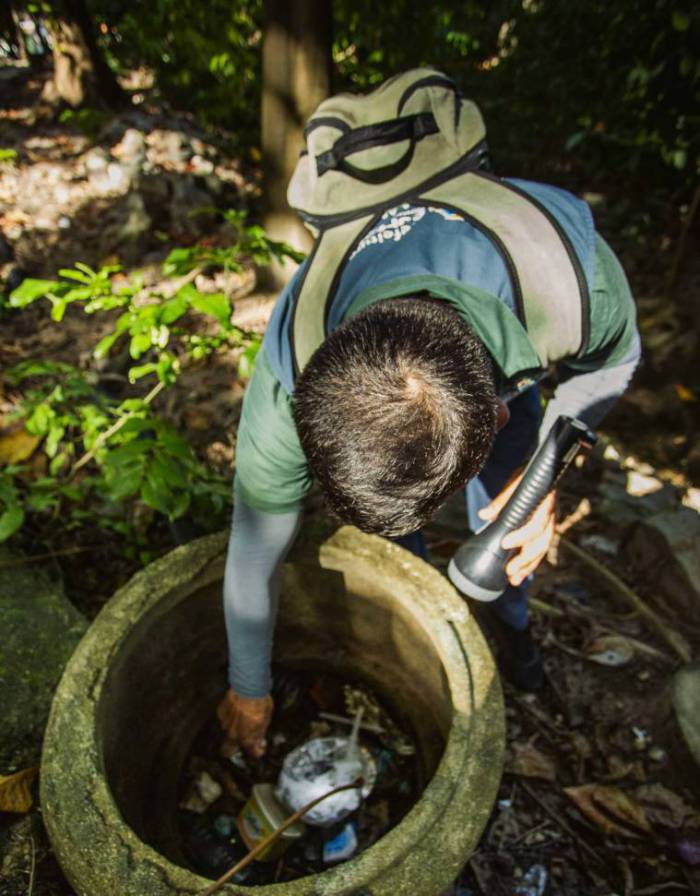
point(591, 385)
point(589, 388)
point(258, 544)
point(589, 396)
point(272, 479)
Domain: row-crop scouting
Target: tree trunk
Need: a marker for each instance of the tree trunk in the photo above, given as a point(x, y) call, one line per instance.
point(81, 76)
point(296, 78)
point(11, 32)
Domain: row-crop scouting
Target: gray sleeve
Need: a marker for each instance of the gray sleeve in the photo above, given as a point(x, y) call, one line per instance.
point(589, 396)
point(258, 544)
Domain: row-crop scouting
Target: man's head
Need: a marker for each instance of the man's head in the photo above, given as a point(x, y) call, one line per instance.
point(395, 411)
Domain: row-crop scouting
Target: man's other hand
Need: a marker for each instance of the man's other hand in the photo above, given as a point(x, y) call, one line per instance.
point(533, 539)
point(245, 721)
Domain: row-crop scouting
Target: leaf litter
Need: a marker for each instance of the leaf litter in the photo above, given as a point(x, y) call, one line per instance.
point(579, 732)
point(16, 790)
point(596, 790)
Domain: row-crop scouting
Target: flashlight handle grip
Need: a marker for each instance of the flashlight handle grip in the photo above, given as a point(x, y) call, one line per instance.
point(554, 455)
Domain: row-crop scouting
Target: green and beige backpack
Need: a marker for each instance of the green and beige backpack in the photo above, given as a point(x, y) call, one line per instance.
point(417, 138)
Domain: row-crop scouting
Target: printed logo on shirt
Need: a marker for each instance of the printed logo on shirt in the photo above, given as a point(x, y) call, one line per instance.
point(396, 222)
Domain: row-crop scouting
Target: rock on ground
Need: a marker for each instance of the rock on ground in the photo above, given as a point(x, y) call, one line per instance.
point(664, 549)
point(39, 629)
point(686, 704)
point(140, 183)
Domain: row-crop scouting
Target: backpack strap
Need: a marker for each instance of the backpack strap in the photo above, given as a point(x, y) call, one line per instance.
point(323, 268)
point(547, 279)
point(549, 284)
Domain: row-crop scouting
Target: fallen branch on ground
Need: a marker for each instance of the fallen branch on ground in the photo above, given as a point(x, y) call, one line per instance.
point(577, 840)
point(618, 587)
point(32, 558)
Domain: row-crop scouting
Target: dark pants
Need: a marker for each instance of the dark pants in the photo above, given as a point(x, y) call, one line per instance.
point(512, 446)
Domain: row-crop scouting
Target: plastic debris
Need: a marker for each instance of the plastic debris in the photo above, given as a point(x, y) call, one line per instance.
point(307, 707)
point(533, 882)
point(600, 543)
point(319, 766)
point(342, 845)
point(611, 650)
point(210, 854)
point(204, 792)
point(224, 825)
point(262, 815)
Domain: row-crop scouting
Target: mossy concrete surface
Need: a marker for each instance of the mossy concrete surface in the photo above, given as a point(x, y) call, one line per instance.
point(101, 854)
point(39, 630)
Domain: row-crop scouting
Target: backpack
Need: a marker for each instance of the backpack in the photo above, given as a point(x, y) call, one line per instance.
point(417, 138)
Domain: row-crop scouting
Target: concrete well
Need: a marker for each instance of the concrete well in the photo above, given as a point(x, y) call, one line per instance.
point(151, 668)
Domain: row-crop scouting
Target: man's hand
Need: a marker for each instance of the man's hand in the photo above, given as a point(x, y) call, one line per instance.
point(533, 539)
point(245, 721)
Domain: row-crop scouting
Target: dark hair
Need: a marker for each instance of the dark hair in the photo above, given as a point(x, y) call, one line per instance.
point(395, 411)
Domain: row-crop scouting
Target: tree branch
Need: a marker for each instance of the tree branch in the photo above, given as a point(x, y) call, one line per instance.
point(108, 433)
point(617, 586)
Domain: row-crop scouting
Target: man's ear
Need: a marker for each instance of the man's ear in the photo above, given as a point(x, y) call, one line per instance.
point(502, 414)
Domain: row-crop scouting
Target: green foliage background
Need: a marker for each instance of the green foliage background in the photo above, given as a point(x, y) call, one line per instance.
point(593, 85)
point(590, 95)
point(108, 457)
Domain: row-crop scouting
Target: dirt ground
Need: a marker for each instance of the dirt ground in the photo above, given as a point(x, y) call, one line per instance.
point(598, 795)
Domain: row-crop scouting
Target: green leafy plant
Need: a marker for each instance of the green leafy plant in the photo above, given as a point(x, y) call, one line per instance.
point(101, 452)
point(249, 242)
point(8, 157)
point(11, 508)
point(108, 456)
point(203, 56)
point(87, 120)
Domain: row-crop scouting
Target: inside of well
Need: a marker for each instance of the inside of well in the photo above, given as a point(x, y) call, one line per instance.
point(163, 687)
point(217, 810)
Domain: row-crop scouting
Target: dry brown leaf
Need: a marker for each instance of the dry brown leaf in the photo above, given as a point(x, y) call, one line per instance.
point(663, 806)
point(17, 446)
point(684, 393)
point(529, 762)
point(619, 768)
point(610, 808)
point(580, 744)
point(16, 790)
